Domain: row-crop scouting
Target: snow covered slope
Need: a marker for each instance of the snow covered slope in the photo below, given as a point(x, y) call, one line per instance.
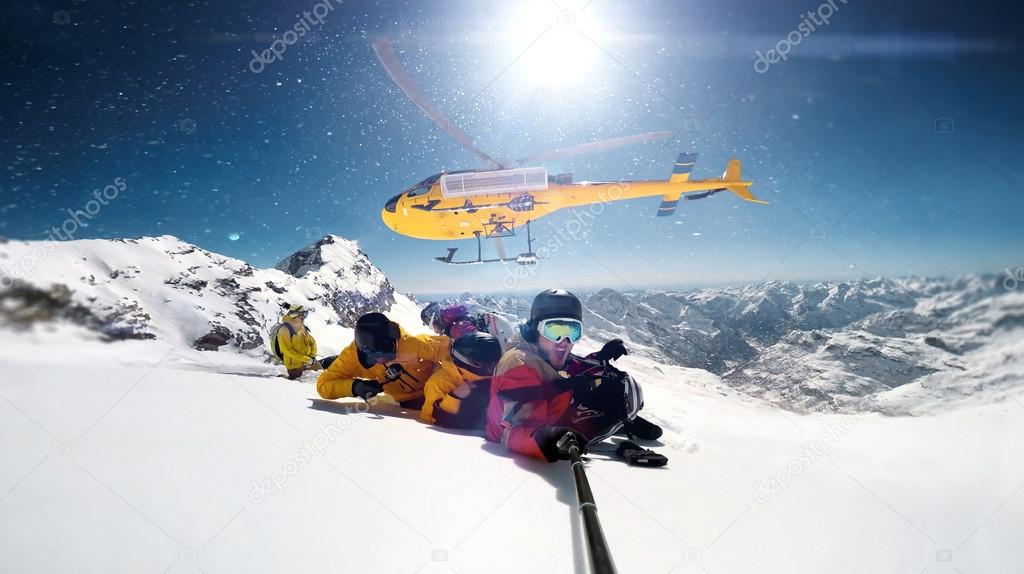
point(164, 288)
point(143, 456)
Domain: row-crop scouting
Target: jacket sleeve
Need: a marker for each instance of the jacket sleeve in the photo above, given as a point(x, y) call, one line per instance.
point(336, 381)
point(435, 391)
point(519, 422)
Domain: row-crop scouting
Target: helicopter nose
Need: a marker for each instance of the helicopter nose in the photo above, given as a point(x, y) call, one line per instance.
point(390, 212)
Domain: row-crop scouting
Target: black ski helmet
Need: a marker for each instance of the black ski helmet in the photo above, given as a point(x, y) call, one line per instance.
point(477, 352)
point(551, 304)
point(431, 315)
point(376, 338)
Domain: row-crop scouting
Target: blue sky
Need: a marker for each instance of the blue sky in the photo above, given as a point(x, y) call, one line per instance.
point(841, 137)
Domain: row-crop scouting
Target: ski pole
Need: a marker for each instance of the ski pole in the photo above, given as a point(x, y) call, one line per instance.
point(597, 547)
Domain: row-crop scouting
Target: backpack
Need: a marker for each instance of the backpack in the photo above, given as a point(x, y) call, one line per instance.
point(274, 345)
point(498, 326)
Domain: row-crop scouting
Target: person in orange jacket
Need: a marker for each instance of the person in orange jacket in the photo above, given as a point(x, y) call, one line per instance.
point(383, 359)
point(541, 391)
point(456, 395)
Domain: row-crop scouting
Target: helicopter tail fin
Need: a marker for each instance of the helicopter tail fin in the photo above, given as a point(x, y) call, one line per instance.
point(740, 187)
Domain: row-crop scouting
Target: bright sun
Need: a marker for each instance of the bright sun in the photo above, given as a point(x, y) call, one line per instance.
point(563, 52)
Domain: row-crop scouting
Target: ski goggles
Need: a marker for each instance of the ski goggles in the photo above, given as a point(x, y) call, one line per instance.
point(375, 349)
point(557, 329)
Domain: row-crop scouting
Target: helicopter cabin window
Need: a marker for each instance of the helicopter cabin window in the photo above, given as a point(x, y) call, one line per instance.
point(511, 181)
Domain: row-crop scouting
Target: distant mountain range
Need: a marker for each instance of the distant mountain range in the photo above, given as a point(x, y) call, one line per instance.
point(824, 346)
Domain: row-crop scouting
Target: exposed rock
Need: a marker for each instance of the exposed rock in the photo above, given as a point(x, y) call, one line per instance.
point(215, 339)
point(24, 304)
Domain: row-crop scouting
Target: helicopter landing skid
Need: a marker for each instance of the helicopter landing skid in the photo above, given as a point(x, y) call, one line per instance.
point(498, 231)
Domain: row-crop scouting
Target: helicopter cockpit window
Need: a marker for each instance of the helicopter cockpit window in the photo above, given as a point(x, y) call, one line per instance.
point(419, 190)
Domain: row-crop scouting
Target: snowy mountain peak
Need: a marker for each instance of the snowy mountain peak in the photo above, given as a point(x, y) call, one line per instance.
point(168, 289)
point(330, 250)
point(350, 283)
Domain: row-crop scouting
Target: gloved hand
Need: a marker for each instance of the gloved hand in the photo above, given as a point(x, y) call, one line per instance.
point(464, 390)
point(315, 365)
point(549, 439)
point(366, 389)
point(611, 350)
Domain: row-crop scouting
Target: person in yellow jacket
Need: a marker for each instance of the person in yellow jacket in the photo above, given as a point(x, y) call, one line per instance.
point(295, 345)
point(456, 395)
point(383, 359)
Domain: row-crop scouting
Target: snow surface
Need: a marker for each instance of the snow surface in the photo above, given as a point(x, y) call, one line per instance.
point(150, 456)
point(142, 456)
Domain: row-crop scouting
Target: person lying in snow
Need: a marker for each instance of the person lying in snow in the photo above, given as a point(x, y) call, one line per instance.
point(291, 341)
point(456, 395)
point(541, 391)
point(383, 359)
point(457, 320)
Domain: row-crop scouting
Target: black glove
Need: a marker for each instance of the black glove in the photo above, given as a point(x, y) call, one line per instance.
point(611, 350)
point(636, 455)
point(551, 443)
point(366, 389)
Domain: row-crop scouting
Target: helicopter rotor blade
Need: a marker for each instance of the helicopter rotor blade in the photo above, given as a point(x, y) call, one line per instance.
point(499, 245)
point(387, 57)
point(594, 147)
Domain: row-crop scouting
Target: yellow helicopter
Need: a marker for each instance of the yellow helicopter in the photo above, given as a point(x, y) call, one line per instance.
point(496, 203)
